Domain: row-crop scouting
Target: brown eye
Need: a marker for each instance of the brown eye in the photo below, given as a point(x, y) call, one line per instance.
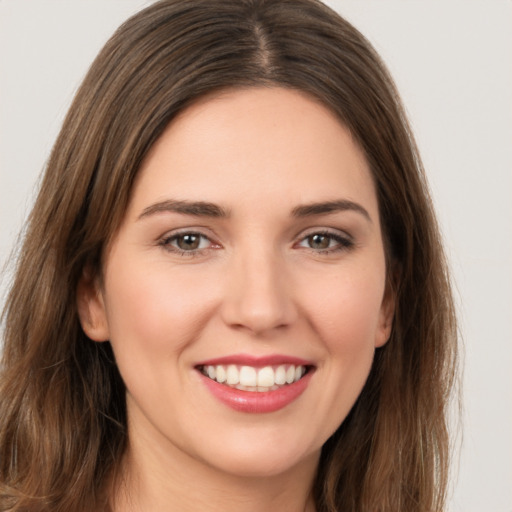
point(319, 241)
point(326, 242)
point(188, 242)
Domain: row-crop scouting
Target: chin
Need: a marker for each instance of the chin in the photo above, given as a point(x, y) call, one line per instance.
point(262, 460)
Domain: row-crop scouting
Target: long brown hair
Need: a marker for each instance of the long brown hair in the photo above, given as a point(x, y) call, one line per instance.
point(62, 401)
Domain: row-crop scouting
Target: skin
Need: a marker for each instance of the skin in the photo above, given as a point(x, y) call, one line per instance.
point(257, 284)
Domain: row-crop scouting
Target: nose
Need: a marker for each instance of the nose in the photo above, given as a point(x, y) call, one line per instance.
point(258, 296)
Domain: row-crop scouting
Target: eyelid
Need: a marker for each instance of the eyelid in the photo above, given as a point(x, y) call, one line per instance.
point(344, 239)
point(165, 241)
point(322, 230)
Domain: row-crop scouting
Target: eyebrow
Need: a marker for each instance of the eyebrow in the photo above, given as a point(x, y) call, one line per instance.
point(195, 208)
point(327, 207)
point(206, 209)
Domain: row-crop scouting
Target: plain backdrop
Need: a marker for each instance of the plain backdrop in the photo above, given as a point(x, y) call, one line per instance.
point(452, 61)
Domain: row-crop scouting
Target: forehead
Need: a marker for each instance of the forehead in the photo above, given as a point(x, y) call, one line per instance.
point(259, 144)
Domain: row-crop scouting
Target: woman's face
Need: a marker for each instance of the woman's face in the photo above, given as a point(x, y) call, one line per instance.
point(251, 256)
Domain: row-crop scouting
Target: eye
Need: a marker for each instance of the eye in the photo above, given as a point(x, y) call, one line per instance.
point(187, 242)
point(326, 241)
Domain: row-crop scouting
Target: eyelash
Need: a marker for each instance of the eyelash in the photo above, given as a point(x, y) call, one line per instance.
point(343, 243)
point(166, 242)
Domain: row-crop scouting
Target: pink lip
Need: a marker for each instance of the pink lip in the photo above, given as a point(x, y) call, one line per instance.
point(256, 361)
point(257, 402)
point(252, 401)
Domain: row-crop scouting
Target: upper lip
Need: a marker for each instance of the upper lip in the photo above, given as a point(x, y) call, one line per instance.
point(255, 361)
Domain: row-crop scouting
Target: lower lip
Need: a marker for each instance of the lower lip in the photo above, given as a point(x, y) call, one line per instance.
point(257, 402)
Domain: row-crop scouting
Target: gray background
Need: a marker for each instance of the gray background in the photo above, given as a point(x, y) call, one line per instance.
point(452, 61)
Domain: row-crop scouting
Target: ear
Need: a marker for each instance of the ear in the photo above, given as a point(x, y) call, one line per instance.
point(91, 307)
point(387, 313)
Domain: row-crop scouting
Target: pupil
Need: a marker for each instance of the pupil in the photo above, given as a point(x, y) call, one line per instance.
point(319, 241)
point(188, 242)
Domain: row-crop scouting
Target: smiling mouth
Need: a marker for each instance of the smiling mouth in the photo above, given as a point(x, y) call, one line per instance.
point(250, 378)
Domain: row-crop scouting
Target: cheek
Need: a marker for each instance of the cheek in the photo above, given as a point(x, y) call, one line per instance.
point(344, 312)
point(155, 311)
point(346, 309)
point(154, 315)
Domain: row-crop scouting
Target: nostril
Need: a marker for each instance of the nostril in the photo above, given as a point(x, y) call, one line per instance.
point(258, 316)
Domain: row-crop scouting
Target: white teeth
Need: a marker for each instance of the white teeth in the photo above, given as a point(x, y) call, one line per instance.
point(232, 376)
point(221, 374)
point(248, 378)
point(280, 376)
point(266, 377)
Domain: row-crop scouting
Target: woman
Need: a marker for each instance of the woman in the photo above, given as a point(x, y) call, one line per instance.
point(232, 293)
